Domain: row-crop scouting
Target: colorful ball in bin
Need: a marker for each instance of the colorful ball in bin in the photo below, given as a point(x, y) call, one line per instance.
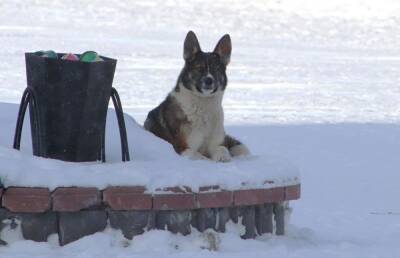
point(48, 54)
point(70, 57)
point(90, 56)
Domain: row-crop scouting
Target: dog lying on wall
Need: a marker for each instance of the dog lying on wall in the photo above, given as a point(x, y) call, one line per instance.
point(191, 117)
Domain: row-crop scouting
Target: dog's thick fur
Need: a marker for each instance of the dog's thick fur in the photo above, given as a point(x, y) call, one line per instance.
point(191, 118)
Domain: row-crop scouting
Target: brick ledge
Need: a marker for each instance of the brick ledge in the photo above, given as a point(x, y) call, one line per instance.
point(130, 198)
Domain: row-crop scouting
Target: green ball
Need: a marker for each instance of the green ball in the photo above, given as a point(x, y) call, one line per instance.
point(39, 53)
point(90, 56)
point(48, 54)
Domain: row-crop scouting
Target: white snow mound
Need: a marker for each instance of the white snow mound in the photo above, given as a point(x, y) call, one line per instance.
point(153, 163)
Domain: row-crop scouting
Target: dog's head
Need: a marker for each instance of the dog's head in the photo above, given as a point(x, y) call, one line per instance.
point(204, 72)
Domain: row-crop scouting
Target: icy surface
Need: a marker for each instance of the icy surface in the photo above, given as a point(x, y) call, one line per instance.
point(327, 72)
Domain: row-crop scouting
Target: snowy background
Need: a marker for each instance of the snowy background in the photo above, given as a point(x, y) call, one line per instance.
point(313, 81)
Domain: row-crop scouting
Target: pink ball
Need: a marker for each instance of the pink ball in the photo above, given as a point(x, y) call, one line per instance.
point(70, 57)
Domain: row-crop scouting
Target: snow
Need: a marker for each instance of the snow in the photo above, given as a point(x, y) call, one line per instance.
point(154, 163)
point(314, 82)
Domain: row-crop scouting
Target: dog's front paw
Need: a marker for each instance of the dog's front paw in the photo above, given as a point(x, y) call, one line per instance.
point(221, 153)
point(192, 154)
point(239, 150)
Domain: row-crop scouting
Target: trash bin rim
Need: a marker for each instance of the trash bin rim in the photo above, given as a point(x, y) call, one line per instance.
point(59, 55)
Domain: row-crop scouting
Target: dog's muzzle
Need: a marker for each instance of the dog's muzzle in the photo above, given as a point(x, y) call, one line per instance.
point(208, 85)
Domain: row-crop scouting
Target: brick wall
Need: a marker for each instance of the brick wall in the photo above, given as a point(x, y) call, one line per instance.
point(73, 212)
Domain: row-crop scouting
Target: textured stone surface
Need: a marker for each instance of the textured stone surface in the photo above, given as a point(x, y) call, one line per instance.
point(3, 216)
point(133, 211)
point(206, 218)
point(174, 221)
point(152, 220)
point(223, 218)
point(75, 225)
point(292, 192)
point(183, 201)
point(264, 216)
point(38, 226)
point(214, 199)
point(279, 216)
point(75, 198)
point(127, 198)
point(258, 196)
point(131, 223)
point(31, 200)
point(174, 198)
point(234, 213)
point(249, 222)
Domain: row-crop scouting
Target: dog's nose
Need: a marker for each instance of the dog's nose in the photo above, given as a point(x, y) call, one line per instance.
point(208, 81)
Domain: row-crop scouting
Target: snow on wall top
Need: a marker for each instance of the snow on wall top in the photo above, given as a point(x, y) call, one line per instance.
point(153, 163)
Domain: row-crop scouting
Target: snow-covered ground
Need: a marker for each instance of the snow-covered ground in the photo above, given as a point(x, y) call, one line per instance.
point(312, 81)
point(154, 163)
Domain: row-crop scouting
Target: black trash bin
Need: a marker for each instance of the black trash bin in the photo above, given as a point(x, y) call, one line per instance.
point(68, 102)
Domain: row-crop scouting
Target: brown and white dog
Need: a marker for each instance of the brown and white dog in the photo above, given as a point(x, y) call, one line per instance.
point(191, 118)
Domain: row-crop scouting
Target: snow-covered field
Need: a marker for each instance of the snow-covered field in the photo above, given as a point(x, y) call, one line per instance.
point(315, 82)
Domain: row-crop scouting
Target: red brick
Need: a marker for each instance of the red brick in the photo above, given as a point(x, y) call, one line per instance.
point(127, 198)
point(22, 199)
point(292, 192)
point(258, 196)
point(214, 199)
point(181, 201)
point(70, 199)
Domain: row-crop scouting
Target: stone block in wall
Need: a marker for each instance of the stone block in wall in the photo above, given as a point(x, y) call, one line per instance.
point(4, 214)
point(206, 218)
point(258, 196)
point(234, 214)
point(292, 192)
point(1, 194)
point(279, 216)
point(38, 226)
point(75, 225)
point(25, 199)
point(223, 218)
point(174, 221)
point(264, 216)
point(75, 198)
point(127, 198)
point(183, 201)
point(213, 198)
point(131, 223)
point(249, 222)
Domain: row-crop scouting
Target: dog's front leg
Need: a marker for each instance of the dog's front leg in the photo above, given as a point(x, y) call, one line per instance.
point(181, 147)
point(220, 153)
point(193, 154)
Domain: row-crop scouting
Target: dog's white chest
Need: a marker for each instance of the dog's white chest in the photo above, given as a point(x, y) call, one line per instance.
point(206, 127)
point(206, 118)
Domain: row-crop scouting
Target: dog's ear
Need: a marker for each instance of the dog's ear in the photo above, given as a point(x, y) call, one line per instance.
point(224, 49)
point(191, 46)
